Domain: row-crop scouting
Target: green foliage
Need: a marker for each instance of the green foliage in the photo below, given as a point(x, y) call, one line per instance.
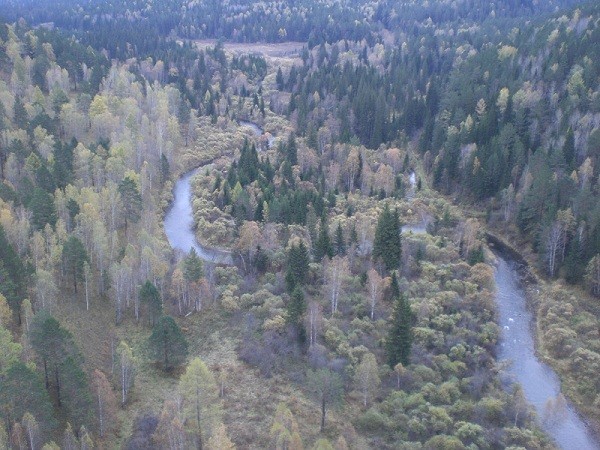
point(339, 245)
point(62, 363)
point(167, 343)
point(23, 391)
point(297, 266)
point(41, 205)
point(388, 241)
point(400, 336)
point(323, 246)
point(296, 307)
point(12, 274)
point(192, 267)
point(132, 200)
point(150, 297)
point(74, 258)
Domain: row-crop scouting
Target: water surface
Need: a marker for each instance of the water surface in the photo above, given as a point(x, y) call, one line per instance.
point(540, 383)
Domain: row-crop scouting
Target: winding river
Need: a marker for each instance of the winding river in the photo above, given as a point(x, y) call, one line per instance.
point(540, 383)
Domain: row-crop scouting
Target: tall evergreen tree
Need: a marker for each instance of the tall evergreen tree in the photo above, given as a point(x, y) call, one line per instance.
point(132, 200)
point(150, 297)
point(297, 270)
point(168, 343)
point(400, 336)
point(296, 307)
point(323, 245)
point(22, 390)
point(192, 266)
point(74, 258)
point(388, 240)
point(339, 242)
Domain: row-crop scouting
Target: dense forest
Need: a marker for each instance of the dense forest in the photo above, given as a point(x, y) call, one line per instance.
point(357, 309)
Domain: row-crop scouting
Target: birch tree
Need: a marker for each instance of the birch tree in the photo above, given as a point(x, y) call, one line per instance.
point(366, 377)
point(127, 369)
point(336, 270)
point(375, 287)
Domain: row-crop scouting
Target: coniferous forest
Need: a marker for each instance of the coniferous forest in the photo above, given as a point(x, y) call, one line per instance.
point(303, 224)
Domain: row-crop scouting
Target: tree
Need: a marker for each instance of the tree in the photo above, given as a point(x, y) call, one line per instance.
point(399, 340)
point(22, 391)
point(296, 307)
point(322, 444)
point(41, 205)
point(105, 401)
point(168, 343)
point(375, 287)
point(219, 440)
point(285, 433)
point(339, 242)
point(323, 245)
point(150, 297)
point(366, 377)
point(74, 259)
point(192, 272)
point(13, 274)
point(32, 430)
point(5, 312)
point(10, 351)
point(192, 267)
point(132, 200)
point(592, 275)
point(327, 387)
point(200, 396)
point(336, 270)
point(127, 369)
point(61, 358)
point(388, 244)
point(297, 267)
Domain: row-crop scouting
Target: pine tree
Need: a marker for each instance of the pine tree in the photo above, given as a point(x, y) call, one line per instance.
point(388, 242)
point(132, 200)
point(168, 343)
point(74, 258)
point(400, 336)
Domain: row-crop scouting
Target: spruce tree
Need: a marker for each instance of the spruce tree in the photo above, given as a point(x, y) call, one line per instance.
point(399, 340)
point(323, 245)
point(192, 267)
point(388, 241)
point(296, 307)
point(339, 244)
point(297, 270)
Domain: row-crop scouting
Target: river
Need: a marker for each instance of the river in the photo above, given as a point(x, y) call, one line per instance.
point(540, 383)
point(516, 345)
point(179, 220)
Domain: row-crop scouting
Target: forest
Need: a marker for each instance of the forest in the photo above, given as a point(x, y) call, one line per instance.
point(348, 191)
